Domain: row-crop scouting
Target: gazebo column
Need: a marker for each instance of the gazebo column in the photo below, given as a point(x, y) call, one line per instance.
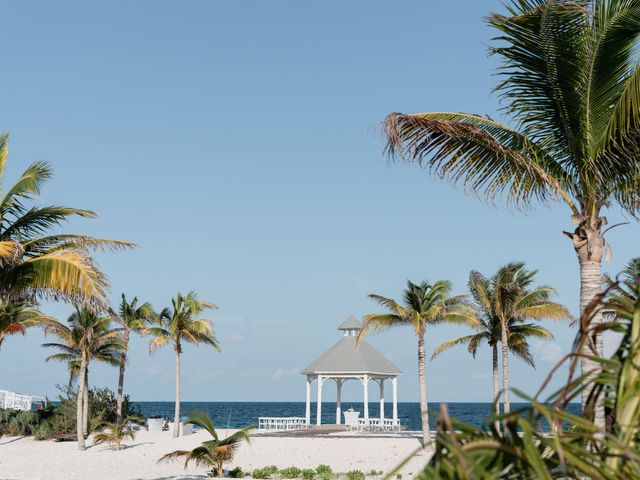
point(365, 382)
point(394, 383)
point(319, 412)
point(338, 400)
point(381, 383)
point(308, 409)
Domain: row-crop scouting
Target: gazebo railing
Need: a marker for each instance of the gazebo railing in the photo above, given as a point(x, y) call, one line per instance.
point(378, 425)
point(282, 423)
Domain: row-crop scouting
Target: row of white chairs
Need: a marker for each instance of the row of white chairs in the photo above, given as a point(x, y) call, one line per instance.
point(378, 425)
point(282, 423)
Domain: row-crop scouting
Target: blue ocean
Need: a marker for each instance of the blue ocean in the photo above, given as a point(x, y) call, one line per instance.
point(241, 414)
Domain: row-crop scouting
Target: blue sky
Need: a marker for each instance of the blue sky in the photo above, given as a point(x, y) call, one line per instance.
point(238, 144)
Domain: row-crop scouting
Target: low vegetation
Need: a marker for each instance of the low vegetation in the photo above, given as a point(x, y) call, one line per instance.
point(264, 472)
point(60, 416)
point(214, 453)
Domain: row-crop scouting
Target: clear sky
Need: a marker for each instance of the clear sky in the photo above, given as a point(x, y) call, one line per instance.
point(238, 143)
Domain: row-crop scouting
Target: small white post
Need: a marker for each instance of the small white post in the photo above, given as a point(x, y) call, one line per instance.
point(381, 382)
point(308, 409)
point(338, 400)
point(365, 381)
point(394, 383)
point(319, 412)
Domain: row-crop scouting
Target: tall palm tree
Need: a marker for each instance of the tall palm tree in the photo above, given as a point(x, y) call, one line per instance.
point(422, 305)
point(179, 324)
point(133, 318)
point(16, 317)
point(509, 297)
point(35, 263)
point(490, 331)
point(86, 336)
point(569, 86)
point(212, 453)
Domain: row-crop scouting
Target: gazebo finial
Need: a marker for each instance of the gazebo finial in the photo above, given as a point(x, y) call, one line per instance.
point(351, 326)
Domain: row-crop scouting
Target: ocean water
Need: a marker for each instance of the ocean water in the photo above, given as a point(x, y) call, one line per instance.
point(241, 414)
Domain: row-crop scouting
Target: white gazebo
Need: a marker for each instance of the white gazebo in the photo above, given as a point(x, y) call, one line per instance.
point(348, 361)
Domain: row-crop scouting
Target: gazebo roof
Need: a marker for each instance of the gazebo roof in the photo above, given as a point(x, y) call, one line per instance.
point(345, 357)
point(351, 323)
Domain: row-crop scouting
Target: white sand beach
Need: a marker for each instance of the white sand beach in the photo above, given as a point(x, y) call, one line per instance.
point(25, 458)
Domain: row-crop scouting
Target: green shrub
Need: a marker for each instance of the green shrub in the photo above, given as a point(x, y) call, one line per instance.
point(236, 473)
point(399, 476)
point(290, 472)
point(264, 472)
point(355, 475)
point(308, 473)
point(324, 469)
point(375, 473)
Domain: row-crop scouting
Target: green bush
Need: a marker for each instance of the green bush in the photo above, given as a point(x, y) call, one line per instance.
point(290, 472)
point(308, 473)
point(324, 469)
point(355, 475)
point(375, 473)
point(264, 472)
point(236, 473)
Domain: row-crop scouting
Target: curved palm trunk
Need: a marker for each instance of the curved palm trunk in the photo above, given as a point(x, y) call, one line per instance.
point(176, 422)
point(505, 365)
point(123, 363)
point(79, 404)
point(424, 406)
point(590, 287)
point(496, 382)
point(85, 401)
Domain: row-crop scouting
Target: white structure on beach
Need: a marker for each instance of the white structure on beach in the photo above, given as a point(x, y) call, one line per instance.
point(348, 361)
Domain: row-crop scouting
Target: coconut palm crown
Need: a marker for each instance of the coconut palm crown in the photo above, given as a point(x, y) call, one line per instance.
point(37, 263)
point(423, 304)
point(569, 84)
point(16, 317)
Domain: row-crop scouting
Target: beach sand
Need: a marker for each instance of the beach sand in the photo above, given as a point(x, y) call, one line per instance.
point(25, 458)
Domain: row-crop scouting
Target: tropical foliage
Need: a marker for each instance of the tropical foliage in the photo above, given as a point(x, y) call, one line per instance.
point(506, 301)
point(178, 325)
point(576, 446)
point(35, 263)
point(569, 85)
point(86, 336)
point(422, 305)
point(16, 317)
point(132, 318)
point(214, 453)
point(113, 433)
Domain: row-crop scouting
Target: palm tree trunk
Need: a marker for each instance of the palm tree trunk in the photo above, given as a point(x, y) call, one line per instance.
point(123, 362)
point(424, 405)
point(496, 382)
point(85, 401)
point(590, 287)
point(79, 404)
point(505, 365)
point(176, 422)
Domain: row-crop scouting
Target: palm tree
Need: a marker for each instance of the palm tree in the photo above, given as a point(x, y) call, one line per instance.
point(36, 264)
point(570, 88)
point(422, 305)
point(16, 317)
point(87, 336)
point(113, 434)
point(211, 453)
point(508, 298)
point(180, 324)
point(133, 318)
point(490, 331)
